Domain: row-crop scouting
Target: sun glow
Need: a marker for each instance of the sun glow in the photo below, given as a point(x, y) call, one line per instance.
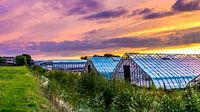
point(184, 49)
point(165, 29)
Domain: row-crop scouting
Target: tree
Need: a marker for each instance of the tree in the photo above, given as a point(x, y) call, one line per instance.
point(84, 57)
point(96, 56)
point(28, 58)
point(1, 60)
point(110, 55)
point(21, 60)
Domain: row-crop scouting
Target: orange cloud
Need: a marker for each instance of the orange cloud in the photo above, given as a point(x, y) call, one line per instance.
point(58, 22)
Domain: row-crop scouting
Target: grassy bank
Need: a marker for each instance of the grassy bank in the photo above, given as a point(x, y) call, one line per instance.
point(20, 91)
point(92, 93)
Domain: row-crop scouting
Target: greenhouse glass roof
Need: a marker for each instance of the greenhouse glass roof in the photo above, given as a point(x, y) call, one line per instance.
point(105, 65)
point(69, 61)
point(169, 71)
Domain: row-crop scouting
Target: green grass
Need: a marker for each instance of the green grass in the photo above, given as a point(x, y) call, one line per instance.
point(20, 91)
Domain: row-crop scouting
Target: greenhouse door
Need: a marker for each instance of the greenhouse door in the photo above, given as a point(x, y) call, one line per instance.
point(127, 73)
point(89, 68)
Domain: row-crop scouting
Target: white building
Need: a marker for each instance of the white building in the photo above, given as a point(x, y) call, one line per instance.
point(69, 65)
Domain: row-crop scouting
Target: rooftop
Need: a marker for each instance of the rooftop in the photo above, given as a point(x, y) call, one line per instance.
point(169, 71)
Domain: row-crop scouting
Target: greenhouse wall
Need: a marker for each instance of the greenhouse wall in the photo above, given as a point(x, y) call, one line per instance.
point(167, 71)
point(138, 76)
point(103, 65)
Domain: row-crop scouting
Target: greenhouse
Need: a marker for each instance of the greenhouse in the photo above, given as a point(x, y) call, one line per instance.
point(167, 71)
point(103, 65)
point(69, 65)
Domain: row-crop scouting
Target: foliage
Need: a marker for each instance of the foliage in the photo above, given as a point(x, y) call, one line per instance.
point(106, 55)
point(38, 69)
point(92, 93)
point(28, 58)
point(84, 57)
point(24, 59)
point(1, 60)
point(171, 104)
point(91, 84)
point(20, 92)
point(192, 103)
point(21, 60)
point(111, 55)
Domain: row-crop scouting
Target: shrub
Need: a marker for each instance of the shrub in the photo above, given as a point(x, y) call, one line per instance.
point(38, 70)
point(1, 60)
point(123, 102)
point(192, 103)
point(91, 84)
point(91, 92)
point(142, 101)
point(171, 104)
point(21, 60)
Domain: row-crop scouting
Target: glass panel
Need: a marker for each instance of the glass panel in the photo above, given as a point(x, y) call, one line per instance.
point(169, 71)
point(105, 65)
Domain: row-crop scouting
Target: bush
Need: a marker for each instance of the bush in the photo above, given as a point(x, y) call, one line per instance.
point(21, 60)
point(38, 70)
point(142, 101)
point(123, 102)
point(114, 89)
point(91, 92)
point(67, 81)
point(1, 60)
point(192, 103)
point(91, 84)
point(171, 104)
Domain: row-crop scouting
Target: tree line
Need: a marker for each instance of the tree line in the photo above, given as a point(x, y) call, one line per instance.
point(24, 59)
point(20, 60)
point(105, 55)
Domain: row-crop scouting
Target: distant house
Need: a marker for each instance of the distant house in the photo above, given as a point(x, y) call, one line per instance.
point(8, 61)
point(167, 71)
point(103, 65)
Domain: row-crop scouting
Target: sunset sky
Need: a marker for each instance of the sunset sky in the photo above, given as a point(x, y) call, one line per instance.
point(61, 29)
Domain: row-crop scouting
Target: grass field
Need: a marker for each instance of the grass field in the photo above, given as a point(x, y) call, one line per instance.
point(20, 91)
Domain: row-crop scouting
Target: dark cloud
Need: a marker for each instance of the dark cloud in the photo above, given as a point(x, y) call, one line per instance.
point(141, 11)
point(132, 42)
point(185, 39)
point(14, 48)
point(85, 6)
point(66, 46)
point(145, 11)
point(77, 47)
point(148, 13)
point(155, 15)
point(123, 42)
point(107, 14)
point(75, 7)
point(179, 6)
point(186, 5)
